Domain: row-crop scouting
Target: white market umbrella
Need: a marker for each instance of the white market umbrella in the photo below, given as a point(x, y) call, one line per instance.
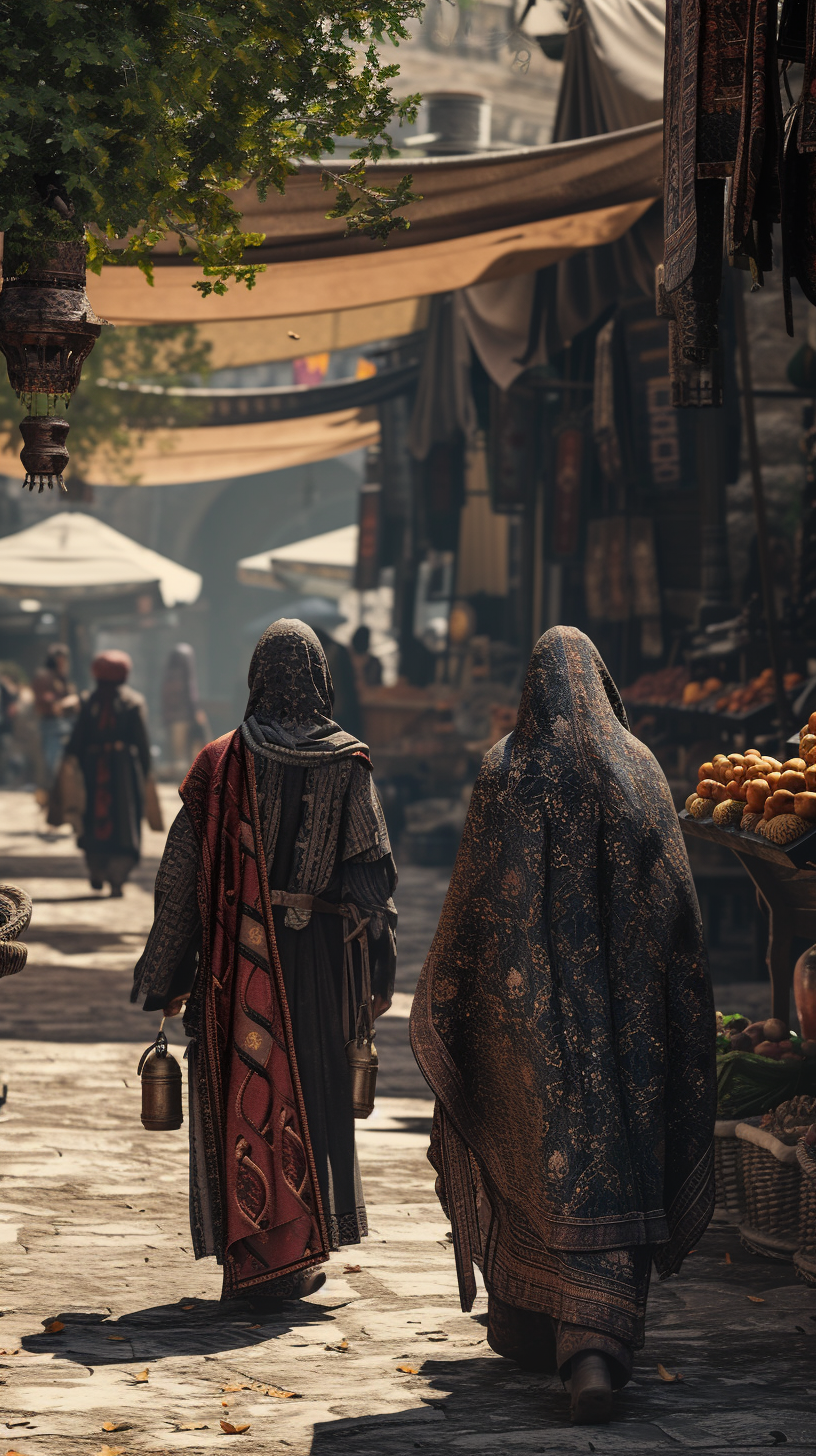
point(320, 566)
point(70, 555)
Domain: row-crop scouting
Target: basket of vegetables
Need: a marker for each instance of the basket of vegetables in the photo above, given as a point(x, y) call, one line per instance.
point(759, 1065)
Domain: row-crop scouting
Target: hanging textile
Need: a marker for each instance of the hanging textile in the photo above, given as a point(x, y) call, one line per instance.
point(722, 120)
point(604, 424)
point(513, 447)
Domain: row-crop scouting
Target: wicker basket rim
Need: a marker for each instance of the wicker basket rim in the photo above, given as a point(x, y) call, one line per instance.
point(762, 1139)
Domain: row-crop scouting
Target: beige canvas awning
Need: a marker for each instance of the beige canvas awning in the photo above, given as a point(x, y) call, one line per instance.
point(480, 218)
point(237, 342)
point(122, 297)
point(225, 452)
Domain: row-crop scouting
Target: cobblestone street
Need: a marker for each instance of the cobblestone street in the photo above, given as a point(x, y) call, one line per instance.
point(144, 1358)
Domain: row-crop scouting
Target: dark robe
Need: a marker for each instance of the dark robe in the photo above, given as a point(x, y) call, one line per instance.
point(110, 740)
point(286, 803)
point(564, 1017)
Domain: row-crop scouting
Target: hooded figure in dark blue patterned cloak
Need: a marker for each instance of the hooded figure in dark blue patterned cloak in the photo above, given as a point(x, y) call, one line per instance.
point(565, 1021)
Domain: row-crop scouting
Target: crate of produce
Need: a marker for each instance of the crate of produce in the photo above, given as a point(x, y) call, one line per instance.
point(772, 1181)
point(708, 705)
point(748, 1084)
point(760, 1064)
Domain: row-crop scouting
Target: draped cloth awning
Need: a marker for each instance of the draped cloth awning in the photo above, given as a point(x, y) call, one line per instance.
point(226, 452)
point(481, 218)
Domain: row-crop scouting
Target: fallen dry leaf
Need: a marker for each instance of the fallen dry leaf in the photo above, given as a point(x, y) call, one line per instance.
point(115, 1426)
point(342, 1346)
point(10, 1425)
point(141, 1378)
point(230, 1430)
point(191, 1426)
point(114, 1337)
point(408, 1369)
point(352, 1269)
point(14, 1453)
point(111, 1451)
point(291, 335)
point(437, 1335)
point(227, 1388)
point(54, 1327)
point(664, 1375)
point(279, 1394)
point(727, 1259)
point(756, 1299)
point(189, 1306)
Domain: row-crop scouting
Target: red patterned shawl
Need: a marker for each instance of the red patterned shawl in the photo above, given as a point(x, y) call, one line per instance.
point(272, 1220)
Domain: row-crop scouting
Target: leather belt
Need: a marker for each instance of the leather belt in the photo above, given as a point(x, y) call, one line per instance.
point(363, 1009)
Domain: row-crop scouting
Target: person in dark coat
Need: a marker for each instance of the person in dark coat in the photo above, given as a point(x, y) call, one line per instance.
point(367, 668)
point(111, 743)
point(346, 698)
point(565, 1020)
point(275, 924)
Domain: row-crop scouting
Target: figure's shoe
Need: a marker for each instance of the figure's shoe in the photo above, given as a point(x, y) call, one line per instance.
point(310, 1283)
point(292, 1286)
point(116, 892)
point(97, 884)
point(590, 1389)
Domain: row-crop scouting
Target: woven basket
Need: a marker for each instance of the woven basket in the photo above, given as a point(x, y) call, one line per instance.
point(772, 1181)
point(807, 1199)
point(804, 1262)
point(729, 1194)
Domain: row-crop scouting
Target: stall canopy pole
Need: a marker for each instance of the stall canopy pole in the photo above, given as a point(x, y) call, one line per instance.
point(760, 516)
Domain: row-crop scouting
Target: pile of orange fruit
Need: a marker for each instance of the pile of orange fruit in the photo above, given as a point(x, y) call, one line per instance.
point(754, 791)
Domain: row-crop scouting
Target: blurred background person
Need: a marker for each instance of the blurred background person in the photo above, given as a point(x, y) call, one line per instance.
point(10, 685)
point(346, 701)
point(55, 702)
point(184, 719)
point(110, 743)
point(367, 667)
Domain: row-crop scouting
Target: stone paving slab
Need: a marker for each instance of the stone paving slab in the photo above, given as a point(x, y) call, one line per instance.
point(93, 1232)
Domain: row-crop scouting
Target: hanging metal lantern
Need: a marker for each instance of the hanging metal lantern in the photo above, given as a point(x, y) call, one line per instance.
point(47, 331)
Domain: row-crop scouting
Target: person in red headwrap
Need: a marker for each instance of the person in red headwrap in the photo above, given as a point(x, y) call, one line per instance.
point(111, 743)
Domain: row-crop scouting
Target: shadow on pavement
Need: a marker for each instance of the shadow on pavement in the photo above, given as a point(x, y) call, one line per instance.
point(190, 1327)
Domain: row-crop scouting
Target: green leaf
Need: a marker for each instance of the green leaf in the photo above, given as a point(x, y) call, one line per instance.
point(155, 113)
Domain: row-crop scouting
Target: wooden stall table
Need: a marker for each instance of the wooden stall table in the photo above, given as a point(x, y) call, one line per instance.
point(785, 880)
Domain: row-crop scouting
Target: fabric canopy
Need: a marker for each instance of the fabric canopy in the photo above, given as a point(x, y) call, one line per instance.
point(70, 556)
point(613, 79)
point(258, 341)
point(480, 218)
point(225, 452)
